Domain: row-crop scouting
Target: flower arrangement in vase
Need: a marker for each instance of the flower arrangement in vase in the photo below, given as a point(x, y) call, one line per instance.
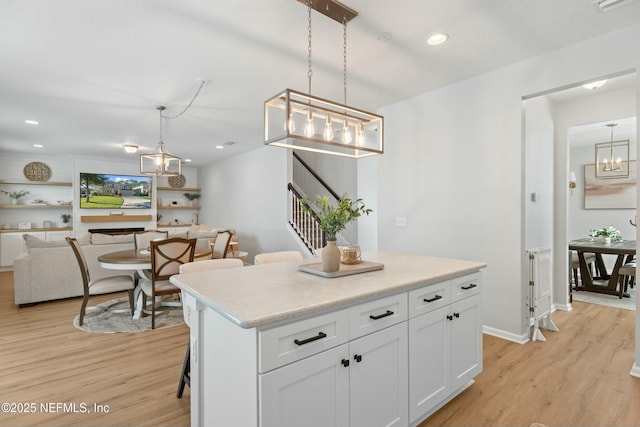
point(608, 234)
point(15, 195)
point(332, 220)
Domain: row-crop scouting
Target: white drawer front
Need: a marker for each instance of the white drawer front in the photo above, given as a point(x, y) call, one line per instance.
point(288, 343)
point(465, 286)
point(375, 315)
point(429, 298)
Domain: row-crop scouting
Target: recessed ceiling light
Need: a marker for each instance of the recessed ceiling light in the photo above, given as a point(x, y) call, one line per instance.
point(436, 39)
point(38, 145)
point(221, 146)
point(187, 160)
point(32, 122)
point(130, 148)
point(594, 85)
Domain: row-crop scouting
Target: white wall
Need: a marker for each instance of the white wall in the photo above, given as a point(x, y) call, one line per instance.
point(453, 167)
point(248, 192)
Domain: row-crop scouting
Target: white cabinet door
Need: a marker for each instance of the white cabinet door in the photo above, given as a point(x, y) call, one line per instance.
point(466, 341)
point(57, 235)
point(379, 378)
point(429, 361)
point(312, 392)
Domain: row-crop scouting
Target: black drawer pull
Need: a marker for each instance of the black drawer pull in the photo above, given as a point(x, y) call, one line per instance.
point(380, 316)
point(308, 340)
point(357, 358)
point(345, 363)
point(471, 286)
point(436, 298)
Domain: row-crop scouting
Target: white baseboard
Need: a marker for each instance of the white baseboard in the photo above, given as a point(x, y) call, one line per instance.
point(520, 339)
point(635, 371)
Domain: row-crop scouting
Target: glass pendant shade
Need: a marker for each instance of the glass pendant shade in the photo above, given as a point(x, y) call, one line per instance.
point(288, 107)
point(160, 163)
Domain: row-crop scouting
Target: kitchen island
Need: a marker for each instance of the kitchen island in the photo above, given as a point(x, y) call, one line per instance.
point(274, 346)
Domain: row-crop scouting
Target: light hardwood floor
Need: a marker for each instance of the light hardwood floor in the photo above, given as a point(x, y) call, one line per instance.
point(579, 377)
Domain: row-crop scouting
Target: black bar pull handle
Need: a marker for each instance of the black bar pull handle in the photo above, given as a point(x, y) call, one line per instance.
point(436, 298)
point(471, 286)
point(456, 315)
point(380, 316)
point(345, 363)
point(450, 317)
point(357, 358)
point(308, 340)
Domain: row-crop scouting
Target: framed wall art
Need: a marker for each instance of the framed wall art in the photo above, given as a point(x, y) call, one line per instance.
point(612, 193)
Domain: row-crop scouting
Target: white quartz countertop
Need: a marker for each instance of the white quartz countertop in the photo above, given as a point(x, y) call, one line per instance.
point(257, 296)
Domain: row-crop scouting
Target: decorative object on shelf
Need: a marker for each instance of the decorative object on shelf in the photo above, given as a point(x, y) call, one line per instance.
point(6, 226)
point(161, 162)
point(47, 224)
point(608, 234)
point(282, 111)
point(15, 195)
point(37, 171)
point(65, 219)
point(24, 226)
point(351, 255)
point(63, 203)
point(332, 220)
point(177, 181)
point(612, 158)
point(191, 197)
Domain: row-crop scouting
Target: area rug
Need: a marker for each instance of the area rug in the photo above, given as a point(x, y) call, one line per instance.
point(110, 321)
point(608, 300)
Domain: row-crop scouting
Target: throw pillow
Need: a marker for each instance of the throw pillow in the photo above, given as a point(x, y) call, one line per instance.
point(108, 239)
point(36, 242)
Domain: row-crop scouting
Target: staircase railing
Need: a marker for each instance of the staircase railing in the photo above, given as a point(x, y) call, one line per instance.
point(304, 223)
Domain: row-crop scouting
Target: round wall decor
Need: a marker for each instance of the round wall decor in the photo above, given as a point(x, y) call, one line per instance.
point(177, 181)
point(37, 171)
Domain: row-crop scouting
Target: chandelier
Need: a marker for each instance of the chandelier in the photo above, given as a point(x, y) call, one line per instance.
point(301, 121)
point(612, 158)
point(160, 162)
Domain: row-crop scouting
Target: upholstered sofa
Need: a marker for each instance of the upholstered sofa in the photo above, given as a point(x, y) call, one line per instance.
point(48, 270)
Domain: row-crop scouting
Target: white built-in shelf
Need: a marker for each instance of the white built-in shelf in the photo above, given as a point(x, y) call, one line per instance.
point(185, 189)
point(179, 207)
point(35, 206)
point(59, 184)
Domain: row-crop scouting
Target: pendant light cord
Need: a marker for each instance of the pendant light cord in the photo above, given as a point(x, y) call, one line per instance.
point(202, 83)
point(344, 54)
point(309, 69)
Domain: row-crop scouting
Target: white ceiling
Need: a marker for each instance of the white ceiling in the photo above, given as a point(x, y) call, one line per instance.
point(93, 72)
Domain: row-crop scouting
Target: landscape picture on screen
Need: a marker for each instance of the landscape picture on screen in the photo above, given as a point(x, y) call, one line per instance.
point(106, 191)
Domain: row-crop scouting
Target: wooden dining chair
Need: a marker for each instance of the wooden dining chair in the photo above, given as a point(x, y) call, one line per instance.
point(141, 239)
point(166, 258)
point(221, 245)
point(627, 278)
point(191, 267)
point(104, 285)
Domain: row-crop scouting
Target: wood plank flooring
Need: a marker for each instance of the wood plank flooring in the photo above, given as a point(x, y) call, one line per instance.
point(44, 359)
point(579, 377)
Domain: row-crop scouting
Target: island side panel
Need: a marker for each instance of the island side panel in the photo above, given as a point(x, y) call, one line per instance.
point(227, 371)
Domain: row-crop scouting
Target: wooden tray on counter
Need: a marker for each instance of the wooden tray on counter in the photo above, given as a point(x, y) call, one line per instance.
point(345, 269)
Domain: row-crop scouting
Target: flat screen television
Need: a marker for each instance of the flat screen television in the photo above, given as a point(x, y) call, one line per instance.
point(107, 191)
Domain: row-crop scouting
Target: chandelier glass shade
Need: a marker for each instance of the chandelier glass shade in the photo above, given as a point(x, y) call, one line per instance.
point(160, 162)
point(612, 158)
point(301, 121)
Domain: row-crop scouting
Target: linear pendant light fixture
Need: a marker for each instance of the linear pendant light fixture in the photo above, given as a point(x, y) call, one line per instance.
point(612, 158)
point(301, 121)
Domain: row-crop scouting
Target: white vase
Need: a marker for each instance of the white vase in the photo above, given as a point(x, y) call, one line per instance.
point(14, 201)
point(330, 257)
point(607, 240)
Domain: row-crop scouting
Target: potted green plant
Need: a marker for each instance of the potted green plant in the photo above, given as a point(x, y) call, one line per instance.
point(191, 197)
point(15, 195)
point(608, 234)
point(332, 220)
point(65, 219)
